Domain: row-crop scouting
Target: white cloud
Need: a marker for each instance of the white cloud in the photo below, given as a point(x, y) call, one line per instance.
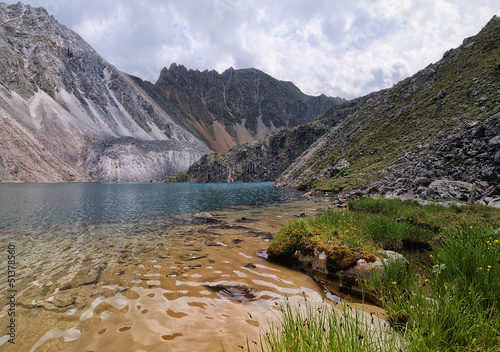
point(332, 47)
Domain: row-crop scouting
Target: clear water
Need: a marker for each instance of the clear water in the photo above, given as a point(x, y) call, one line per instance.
point(47, 204)
point(120, 267)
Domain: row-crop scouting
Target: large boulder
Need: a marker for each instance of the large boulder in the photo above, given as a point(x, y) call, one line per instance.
point(445, 189)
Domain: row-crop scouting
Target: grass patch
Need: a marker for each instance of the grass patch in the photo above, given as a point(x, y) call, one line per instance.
point(450, 301)
point(372, 224)
point(324, 328)
point(333, 232)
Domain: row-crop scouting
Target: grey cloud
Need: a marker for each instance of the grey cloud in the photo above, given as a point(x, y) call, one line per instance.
point(332, 47)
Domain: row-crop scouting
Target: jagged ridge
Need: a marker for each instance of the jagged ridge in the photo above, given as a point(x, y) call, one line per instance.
point(236, 106)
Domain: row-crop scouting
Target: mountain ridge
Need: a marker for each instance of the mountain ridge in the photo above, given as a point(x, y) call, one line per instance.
point(233, 107)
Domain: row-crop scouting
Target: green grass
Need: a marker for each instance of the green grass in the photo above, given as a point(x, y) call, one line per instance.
point(373, 224)
point(456, 305)
point(317, 328)
point(449, 301)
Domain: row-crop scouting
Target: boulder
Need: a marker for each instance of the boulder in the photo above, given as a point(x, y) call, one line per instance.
point(364, 269)
point(495, 202)
point(204, 217)
point(445, 189)
point(421, 182)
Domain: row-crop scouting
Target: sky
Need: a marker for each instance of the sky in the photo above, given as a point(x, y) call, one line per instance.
point(345, 48)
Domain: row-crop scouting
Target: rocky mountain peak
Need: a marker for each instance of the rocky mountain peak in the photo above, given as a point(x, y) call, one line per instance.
point(235, 106)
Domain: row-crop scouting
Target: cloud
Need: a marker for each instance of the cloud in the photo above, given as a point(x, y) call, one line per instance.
point(338, 48)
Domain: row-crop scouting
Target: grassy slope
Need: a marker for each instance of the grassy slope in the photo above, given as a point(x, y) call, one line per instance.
point(410, 115)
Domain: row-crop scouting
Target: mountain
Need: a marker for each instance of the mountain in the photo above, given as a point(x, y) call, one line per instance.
point(266, 159)
point(234, 107)
point(441, 123)
point(68, 115)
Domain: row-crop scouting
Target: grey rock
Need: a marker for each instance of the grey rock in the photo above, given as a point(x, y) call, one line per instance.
point(421, 182)
point(205, 217)
point(441, 94)
point(497, 157)
point(494, 203)
point(446, 189)
point(494, 141)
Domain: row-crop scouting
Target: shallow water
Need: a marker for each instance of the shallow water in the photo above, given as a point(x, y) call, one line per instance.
point(151, 282)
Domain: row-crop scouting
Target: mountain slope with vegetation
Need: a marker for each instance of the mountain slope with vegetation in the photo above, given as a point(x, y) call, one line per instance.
point(441, 123)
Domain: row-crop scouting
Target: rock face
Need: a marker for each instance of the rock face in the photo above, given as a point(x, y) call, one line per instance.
point(443, 123)
point(445, 189)
point(234, 107)
point(129, 159)
point(260, 161)
point(62, 105)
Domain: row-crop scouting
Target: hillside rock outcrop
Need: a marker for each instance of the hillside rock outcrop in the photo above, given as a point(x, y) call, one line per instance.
point(259, 161)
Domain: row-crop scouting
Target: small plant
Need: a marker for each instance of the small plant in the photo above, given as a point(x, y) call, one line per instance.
point(343, 172)
point(438, 268)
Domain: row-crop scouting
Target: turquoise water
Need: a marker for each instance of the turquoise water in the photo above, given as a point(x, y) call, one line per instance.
point(48, 204)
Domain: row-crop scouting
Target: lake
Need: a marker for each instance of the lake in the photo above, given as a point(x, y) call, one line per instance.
point(44, 203)
point(122, 267)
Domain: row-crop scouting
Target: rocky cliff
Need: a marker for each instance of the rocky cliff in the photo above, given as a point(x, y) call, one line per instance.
point(234, 107)
point(265, 159)
point(67, 114)
point(260, 161)
point(441, 123)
